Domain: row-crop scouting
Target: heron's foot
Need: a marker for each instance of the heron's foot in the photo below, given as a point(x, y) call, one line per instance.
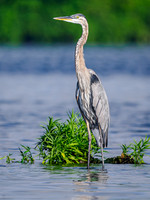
point(103, 168)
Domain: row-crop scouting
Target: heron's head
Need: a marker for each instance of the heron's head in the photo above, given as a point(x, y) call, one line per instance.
point(76, 19)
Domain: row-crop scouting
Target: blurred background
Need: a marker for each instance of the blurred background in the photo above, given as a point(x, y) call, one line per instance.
point(31, 21)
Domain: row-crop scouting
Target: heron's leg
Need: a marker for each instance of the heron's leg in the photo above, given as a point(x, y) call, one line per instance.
point(101, 143)
point(89, 137)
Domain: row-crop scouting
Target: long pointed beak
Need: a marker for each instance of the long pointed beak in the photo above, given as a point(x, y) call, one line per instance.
point(66, 18)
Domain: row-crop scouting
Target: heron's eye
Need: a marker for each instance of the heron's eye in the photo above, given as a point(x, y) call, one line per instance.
point(77, 17)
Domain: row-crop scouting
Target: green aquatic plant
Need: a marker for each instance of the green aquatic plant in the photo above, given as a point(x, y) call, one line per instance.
point(66, 143)
point(2, 157)
point(138, 150)
point(134, 152)
point(125, 149)
point(8, 158)
point(26, 155)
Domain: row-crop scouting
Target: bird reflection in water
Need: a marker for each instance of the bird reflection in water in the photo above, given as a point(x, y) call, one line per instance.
point(91, 186)
point(91, 176)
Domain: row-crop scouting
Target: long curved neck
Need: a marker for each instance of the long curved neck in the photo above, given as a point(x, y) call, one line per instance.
point(79, 56)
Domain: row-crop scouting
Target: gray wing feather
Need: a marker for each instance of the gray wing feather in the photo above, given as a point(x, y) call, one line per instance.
point(100, 106)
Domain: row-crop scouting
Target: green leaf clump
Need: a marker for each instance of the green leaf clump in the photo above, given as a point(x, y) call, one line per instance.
point(66, 143)
point(8, 158)
point(26, 155)
point(137, 150)
point(133, 153)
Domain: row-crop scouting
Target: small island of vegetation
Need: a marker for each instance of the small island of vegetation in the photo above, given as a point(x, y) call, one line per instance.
point(67, 144)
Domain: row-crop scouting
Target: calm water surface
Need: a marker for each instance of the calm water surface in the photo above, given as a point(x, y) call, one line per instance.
point(37, 82)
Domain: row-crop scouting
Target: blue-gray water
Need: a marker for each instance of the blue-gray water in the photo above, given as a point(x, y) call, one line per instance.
point(37, 82)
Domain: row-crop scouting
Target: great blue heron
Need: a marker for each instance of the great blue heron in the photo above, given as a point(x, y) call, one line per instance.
point(90, 94)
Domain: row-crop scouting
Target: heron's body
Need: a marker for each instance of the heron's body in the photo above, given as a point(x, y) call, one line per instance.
point(90, 94)
point(94, 107)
